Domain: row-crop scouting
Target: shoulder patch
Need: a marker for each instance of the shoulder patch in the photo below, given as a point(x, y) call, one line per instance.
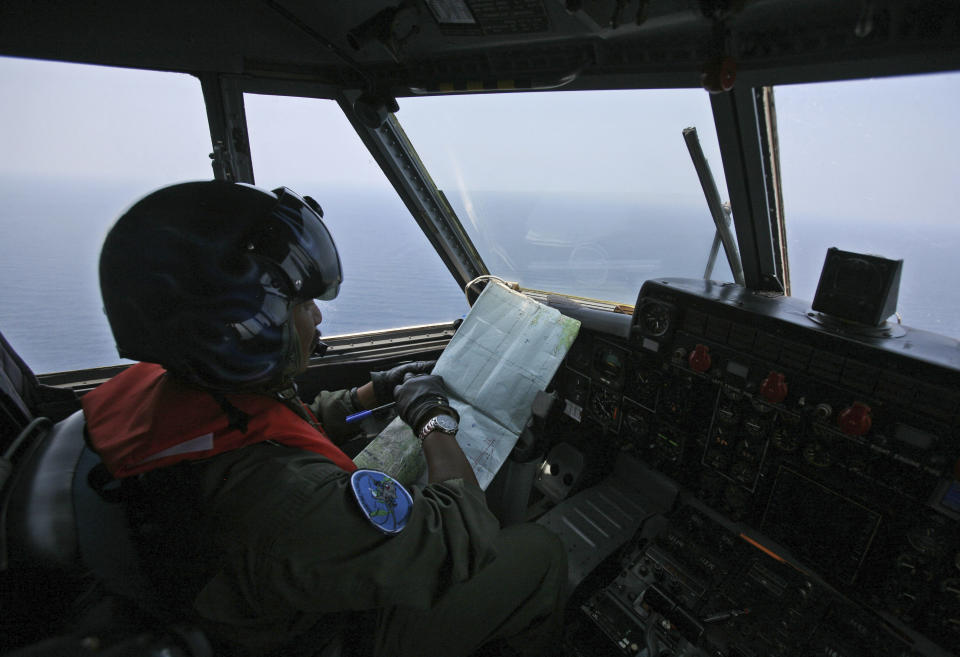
point(383, 500)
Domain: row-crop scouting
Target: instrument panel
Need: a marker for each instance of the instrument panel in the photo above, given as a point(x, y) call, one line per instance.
point(835, 443)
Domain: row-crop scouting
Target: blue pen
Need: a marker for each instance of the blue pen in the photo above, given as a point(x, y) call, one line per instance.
point(363, 414)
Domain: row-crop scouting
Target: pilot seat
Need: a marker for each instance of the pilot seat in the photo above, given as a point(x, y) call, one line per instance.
point(69, 576)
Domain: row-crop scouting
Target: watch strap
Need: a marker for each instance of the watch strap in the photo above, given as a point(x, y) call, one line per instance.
point(432, 425)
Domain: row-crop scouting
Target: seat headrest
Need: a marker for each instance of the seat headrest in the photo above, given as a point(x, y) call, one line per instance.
point(39, 521)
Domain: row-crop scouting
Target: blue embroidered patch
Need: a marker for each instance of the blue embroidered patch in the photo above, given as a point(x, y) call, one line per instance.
point(383, 500)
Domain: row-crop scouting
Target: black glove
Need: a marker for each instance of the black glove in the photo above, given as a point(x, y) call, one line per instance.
point(385, 382)
point(421, 397)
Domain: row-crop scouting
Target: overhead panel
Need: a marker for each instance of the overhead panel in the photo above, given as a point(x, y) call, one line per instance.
point(489, 17)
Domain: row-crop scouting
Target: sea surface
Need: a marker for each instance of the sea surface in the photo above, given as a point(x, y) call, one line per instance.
point(51, 232)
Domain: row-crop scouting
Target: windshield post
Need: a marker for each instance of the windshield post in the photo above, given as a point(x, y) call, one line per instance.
point(744, 132)
point(393, 151)
point(226, 116)
point(770, 141)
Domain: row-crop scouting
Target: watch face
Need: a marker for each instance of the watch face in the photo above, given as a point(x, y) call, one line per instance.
point(446, 423)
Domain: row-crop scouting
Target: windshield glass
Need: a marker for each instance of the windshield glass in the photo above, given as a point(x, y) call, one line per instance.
point(78, 145)
point(389, 267)
point(582, 193)
point(870, 166)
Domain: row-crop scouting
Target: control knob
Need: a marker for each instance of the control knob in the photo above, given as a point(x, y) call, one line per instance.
point(774, 388)
point(699, 358)
point(822, 411)
point(855, 420)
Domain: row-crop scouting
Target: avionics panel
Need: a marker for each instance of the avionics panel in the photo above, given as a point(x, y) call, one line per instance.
point(838, 444)
point(694, 587)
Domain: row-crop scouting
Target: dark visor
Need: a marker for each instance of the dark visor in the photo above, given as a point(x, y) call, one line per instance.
point(301, 245)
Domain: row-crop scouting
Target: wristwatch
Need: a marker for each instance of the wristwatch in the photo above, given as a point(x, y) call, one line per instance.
point(442, 423)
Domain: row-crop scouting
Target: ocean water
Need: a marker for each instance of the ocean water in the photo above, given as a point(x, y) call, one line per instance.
point(51, 232)
point(50, 238)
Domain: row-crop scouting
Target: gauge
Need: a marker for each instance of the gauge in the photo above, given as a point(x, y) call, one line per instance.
point(644, 377)
point(785, 435)
point(817, 455)
point(925, 539)
point(728, 413)
point(636, 423)
point(655, 319)
point(604, 405)
point(609, 363)
point(783, 438)
point(644, 383)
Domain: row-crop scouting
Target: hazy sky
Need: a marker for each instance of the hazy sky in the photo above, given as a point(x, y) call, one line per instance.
point(882, 149)
point(135, 125)
point(609, 143)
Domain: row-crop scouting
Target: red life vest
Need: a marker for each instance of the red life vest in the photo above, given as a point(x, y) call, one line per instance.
point(144, 419)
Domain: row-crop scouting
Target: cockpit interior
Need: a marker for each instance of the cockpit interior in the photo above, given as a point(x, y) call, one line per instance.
point(752, 448)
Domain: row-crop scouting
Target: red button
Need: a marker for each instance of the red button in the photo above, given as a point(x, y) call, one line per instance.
point(855, 420)
point(774, 388)
point(700, 358)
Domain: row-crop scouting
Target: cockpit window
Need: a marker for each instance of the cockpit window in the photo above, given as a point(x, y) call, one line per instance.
point(391, 275)
point(79, 144)
point(871, 166)
point(582, 193)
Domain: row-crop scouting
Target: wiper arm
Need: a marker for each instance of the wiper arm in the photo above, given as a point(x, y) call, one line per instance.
point(720, 214)
point(715, 247)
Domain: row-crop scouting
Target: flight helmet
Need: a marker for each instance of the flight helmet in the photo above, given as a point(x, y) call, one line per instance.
point(201, 278)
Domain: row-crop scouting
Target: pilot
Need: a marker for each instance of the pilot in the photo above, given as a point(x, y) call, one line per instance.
point(250, 518)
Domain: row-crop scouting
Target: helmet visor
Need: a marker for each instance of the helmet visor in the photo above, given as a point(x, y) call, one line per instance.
point(301, 245)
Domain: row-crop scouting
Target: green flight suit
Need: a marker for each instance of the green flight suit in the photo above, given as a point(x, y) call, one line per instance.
point(269, 545)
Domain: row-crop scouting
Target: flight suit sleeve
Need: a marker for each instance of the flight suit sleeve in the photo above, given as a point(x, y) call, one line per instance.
point(331, 409)
point(325, 555)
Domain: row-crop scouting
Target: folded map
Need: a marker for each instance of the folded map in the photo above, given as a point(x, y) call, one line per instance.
point(507, 349)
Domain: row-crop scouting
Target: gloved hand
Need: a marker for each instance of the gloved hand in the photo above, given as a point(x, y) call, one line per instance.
point(419, 398)
point(385, 382)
